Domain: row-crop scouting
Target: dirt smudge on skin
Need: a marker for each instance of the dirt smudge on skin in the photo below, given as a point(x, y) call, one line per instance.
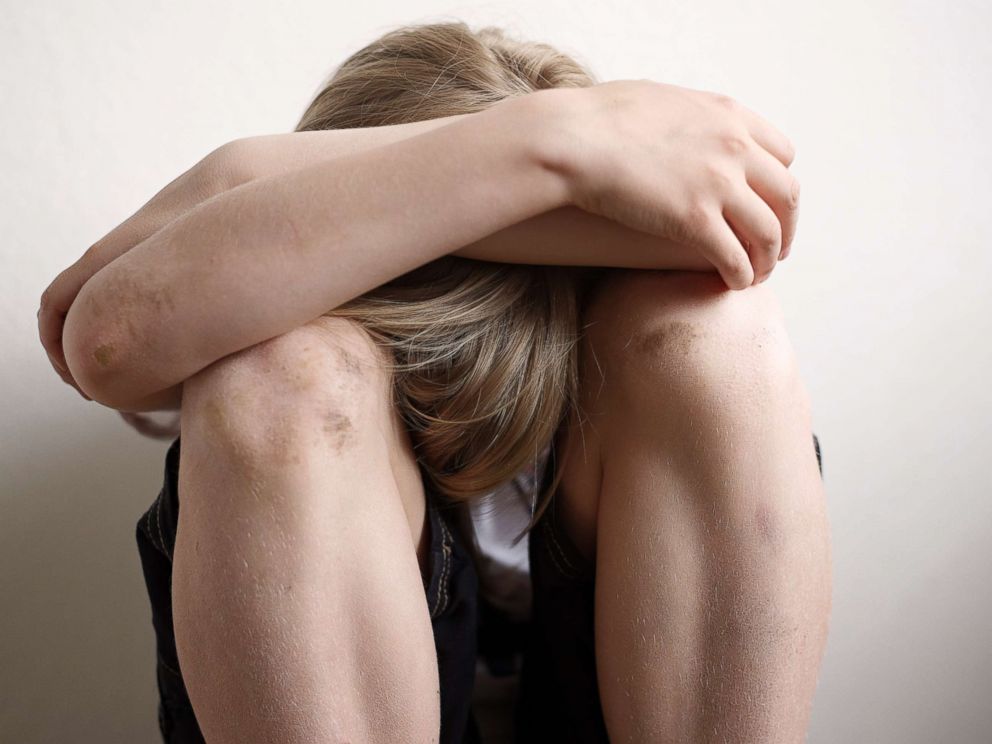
point(339, 428)
point(104, 354)
point(674, 337)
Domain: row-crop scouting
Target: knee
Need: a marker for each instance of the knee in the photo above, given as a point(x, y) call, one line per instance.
point(324, 383)
point(681, 343)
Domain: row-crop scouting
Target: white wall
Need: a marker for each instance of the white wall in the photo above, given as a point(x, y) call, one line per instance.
point(103, 102)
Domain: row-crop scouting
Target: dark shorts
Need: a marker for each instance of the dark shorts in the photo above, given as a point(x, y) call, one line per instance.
point(558, 696)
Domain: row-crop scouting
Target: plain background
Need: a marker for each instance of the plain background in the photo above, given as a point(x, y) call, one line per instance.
point(887, 293)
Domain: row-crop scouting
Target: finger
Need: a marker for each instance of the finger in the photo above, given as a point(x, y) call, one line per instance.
point(769, 137)
point(773, 182)
point(756, 224)
point(68, 380)
point(722, 248)
point(50, 323)
point(54, 306)
point(67, 377)
point(62, 372)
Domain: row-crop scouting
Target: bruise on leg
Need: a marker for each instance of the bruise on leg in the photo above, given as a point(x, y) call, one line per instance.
point(674, 337)
point(278, 400)
point(340, 430)
point(349, 363)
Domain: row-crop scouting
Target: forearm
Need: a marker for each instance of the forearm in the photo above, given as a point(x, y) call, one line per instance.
point(564, 236)
point(260, 156)
point(569, 236)
point(309, 240)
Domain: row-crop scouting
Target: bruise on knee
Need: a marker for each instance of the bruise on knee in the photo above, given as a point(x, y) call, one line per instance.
point(349, 363)
point(259, 427)
point(673, 337)
point(339, 429)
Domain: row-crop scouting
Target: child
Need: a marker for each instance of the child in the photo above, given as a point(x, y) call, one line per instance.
point(470, 259)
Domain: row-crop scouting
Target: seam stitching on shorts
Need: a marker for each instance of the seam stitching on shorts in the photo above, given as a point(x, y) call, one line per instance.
point(437, 601)
point(572, 571)
point(447, 567)
point(150, 532)
point(554, 557)
point(446, 551)
point(561, 551)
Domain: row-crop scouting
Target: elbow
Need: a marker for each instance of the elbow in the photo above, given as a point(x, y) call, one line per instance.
point(97, 352)
point(90, 351)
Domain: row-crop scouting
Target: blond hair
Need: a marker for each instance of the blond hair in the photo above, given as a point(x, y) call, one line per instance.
point(485, 353)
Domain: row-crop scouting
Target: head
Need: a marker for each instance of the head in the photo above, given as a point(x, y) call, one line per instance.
point(484, 354)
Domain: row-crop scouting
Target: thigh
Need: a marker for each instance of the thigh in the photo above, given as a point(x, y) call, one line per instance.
point(560, 696)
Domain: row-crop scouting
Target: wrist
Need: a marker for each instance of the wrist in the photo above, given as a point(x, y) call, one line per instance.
point(556, 136)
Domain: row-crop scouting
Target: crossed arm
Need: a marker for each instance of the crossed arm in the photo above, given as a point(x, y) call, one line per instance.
point(272, 232)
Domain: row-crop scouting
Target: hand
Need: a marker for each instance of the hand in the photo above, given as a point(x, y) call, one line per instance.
point(212, 175)
point(686, 165)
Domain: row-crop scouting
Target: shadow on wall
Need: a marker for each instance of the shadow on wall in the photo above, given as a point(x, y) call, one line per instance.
point(76, 644)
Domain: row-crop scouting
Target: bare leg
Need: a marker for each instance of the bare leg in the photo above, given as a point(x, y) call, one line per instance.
point(299, 611)
point(693, 483)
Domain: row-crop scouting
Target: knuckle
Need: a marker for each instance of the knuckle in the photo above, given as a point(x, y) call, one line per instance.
point(223, 168)
point(793, 200)
point(93, 250)
point(739, 269)
point(771, 236)
point(44, 302)
point(725, 101)
point(718, 179)
point(54, 294)
point(742, 267)
point(767, 253)
point(733, 143)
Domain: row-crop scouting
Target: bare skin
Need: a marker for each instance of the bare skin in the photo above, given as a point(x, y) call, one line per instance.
point(712, 557)
point(296, 589)
point(690, 169)
point(691, 482)
point(679, 492)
